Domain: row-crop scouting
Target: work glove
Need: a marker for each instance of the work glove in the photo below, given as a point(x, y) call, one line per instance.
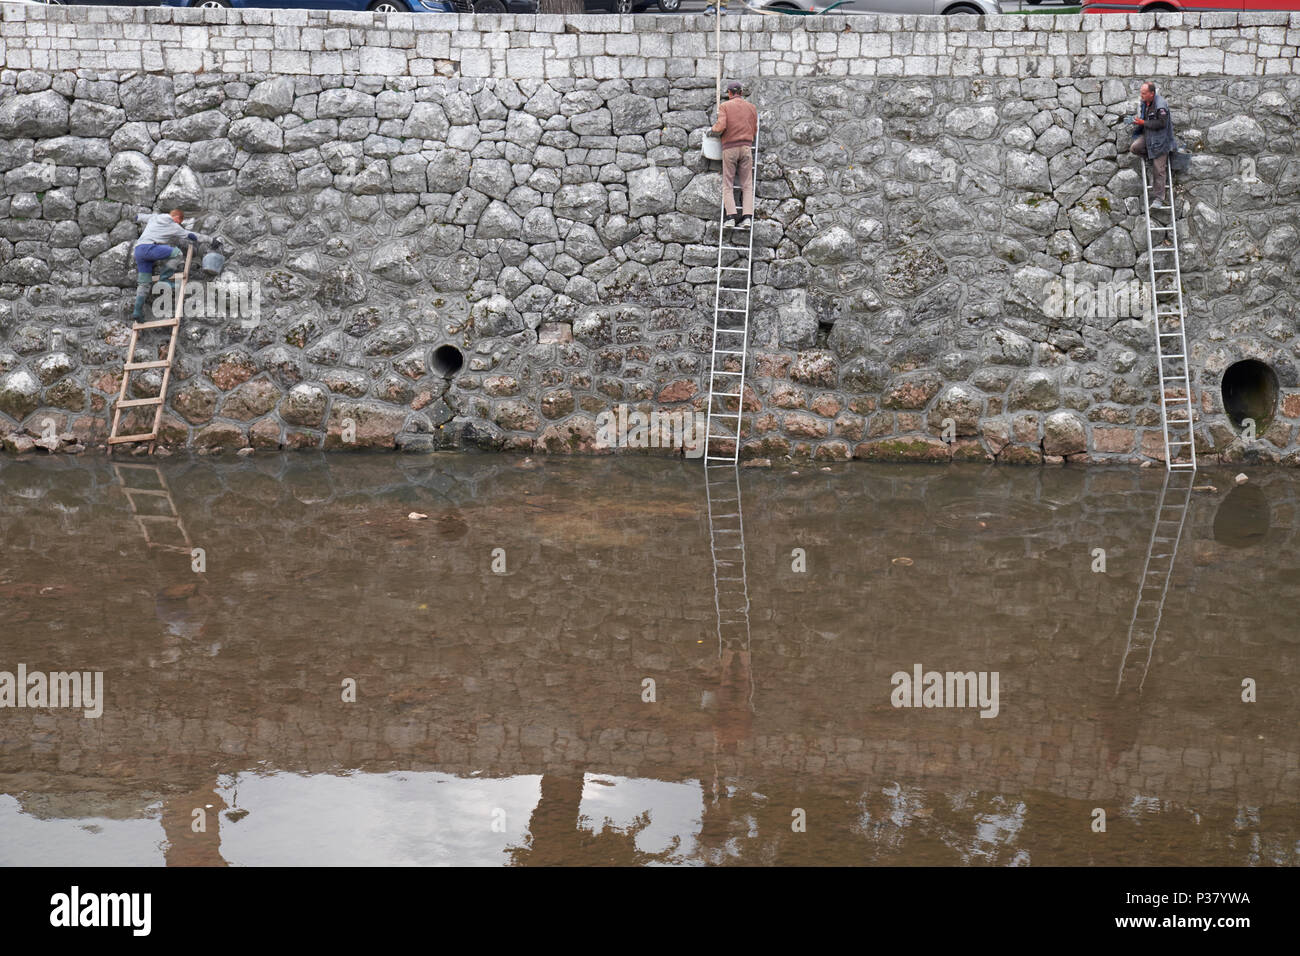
point(216, 243)
point(191, 237)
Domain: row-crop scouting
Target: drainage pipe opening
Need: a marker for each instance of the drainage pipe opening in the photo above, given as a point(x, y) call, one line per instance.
point(447, 360)
point(1249, 391)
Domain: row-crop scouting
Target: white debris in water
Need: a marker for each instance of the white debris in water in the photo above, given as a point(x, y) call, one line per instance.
point(1241, 479)
point(416, 516)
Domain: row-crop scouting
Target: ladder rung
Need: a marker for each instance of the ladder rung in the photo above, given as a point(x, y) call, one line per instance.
point(735, 248)
point(1166, 314)
point(734, 269)
point(145, 491)
point(724, 395)
point(720, 372)
point(1164, 271)
point(715, 413)
point(132, 403)
point(121, 438)
point(161, 363)
point(1170, 358)
point(723, 309)
point(160, 324)
point(733, 331)
point(727, 352)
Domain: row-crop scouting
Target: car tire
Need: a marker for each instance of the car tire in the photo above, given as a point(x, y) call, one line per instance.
point(783, 8)
point(489, 6)
point(210, 4)
point(963, 8)
point(624, 6)
point(670, 6)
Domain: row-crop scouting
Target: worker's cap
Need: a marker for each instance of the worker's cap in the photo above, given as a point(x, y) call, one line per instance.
point(735, 88)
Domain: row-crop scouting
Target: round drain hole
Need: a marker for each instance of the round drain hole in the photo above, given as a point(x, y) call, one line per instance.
point(1249, 391)
point(447, 360)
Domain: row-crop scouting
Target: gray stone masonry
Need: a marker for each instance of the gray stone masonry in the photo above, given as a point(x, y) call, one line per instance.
point(485, 232)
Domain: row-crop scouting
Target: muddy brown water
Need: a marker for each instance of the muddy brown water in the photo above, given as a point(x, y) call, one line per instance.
point(503, 650)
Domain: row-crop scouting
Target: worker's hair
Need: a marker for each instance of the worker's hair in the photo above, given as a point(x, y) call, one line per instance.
point(1150, 85)
point(181, 211)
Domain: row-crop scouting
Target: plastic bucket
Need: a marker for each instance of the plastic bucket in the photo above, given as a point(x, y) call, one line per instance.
point(712, 145)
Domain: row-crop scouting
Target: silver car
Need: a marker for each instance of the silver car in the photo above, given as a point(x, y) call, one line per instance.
point(976, 7)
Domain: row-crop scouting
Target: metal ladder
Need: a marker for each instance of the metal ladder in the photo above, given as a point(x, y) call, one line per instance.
point(161, 494)
point(727, 544)
point(1168, 315)
point(1153, 589)
point(132, 365)
point(730, 334)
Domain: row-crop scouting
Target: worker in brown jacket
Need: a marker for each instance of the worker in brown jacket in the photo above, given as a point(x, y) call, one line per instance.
point(737, 122)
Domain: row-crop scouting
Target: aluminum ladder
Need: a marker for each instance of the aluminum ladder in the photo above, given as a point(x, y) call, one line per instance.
point(727, 545)
point(730, 332)
point(1168, 315)
point(131, 365)
point(1153, 589)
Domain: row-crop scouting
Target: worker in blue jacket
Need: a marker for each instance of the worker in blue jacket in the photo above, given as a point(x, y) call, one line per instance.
point(160, 242)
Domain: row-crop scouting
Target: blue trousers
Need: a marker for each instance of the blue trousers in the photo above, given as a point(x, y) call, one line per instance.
point(150, 253)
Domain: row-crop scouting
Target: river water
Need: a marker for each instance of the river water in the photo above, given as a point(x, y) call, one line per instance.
point(578, 661)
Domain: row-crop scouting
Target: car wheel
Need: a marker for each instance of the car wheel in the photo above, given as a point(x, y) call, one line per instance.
point(623, 6)
point(489, 6)
point(384, 6)
point(211, 4)
point(670, 6)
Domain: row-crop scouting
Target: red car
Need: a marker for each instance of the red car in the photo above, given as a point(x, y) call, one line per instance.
point(1185, 6)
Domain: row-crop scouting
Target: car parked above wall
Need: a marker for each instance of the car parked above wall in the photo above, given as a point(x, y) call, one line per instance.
point(913, 7)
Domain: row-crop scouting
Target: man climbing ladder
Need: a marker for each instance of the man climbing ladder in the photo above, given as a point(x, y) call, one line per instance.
point(160, 242)
point(738, 124)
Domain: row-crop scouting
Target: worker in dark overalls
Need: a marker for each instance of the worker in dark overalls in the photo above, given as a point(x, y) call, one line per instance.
point(1153, 138)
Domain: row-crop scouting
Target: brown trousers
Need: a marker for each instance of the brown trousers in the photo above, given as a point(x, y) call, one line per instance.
point(738, 163)
point(1161, 164)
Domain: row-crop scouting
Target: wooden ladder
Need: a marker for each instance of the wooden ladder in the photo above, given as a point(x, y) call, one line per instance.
point(131, 365)
point(165, 515)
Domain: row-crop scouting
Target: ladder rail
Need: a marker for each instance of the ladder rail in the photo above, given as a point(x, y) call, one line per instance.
point(1179, 315)
point(163, 492)
point(734, 613)
point(130, 365)
point(1146, 572)
point(720, 356)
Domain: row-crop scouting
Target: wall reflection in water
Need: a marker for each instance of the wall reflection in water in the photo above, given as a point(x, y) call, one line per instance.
point(500, 717)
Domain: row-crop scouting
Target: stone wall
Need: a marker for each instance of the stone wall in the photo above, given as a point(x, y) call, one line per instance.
point(526, 197)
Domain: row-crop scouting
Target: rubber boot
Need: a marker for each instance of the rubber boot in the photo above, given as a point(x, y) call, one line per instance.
point(142, 284)
point(170, 265)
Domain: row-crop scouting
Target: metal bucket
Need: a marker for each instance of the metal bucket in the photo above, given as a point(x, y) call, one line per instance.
point(712, 145)
point(213, 263)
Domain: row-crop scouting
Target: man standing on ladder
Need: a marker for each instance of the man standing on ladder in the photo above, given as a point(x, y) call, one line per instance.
point(1154, 137)
point(738, 123)
point(160, 242)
